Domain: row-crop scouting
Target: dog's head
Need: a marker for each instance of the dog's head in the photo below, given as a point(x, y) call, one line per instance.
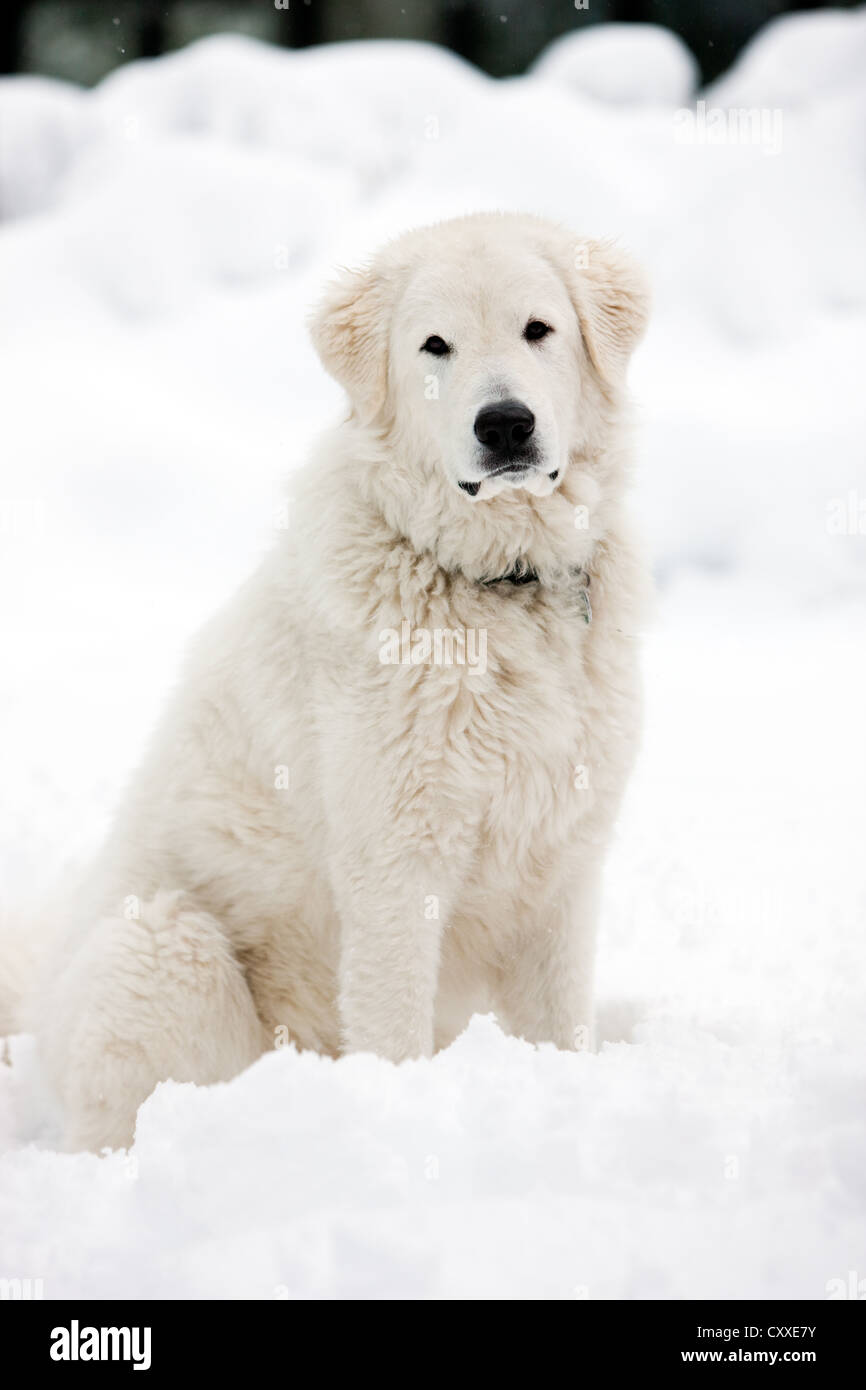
point(483, 346)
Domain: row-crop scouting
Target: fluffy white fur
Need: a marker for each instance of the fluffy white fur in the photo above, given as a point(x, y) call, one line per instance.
point(355, 855)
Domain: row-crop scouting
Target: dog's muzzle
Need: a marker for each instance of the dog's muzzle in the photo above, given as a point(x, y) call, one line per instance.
point(509, 452)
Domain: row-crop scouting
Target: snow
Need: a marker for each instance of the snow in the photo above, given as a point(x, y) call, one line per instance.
point(163, 238)
point(798, 59)
point(624, 64)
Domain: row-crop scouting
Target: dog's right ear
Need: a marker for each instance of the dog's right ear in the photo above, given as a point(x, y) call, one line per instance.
point(349, 332)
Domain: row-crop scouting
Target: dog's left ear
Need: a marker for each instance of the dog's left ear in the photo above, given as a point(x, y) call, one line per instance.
point(611, 297)
point(349, 330)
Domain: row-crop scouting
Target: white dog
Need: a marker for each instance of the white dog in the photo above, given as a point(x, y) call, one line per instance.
point(381, 799)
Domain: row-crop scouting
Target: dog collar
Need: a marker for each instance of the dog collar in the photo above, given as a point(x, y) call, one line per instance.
point(514, 576)
point(520, 575)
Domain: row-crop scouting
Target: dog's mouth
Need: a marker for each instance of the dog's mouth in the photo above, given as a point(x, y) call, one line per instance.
point(512, 469)
point(515, 471)
point(516, 465)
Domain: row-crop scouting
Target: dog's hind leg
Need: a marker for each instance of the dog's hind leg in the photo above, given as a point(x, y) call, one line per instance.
point(154, 996)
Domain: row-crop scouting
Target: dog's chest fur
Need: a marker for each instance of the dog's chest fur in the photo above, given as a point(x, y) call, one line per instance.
point(522, 743)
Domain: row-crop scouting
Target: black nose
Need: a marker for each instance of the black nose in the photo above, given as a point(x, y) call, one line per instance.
point(504, 426)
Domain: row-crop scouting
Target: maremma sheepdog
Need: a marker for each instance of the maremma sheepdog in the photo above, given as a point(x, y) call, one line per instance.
point(381, 798)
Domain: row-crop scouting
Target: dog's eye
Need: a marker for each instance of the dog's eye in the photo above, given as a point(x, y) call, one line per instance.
point(437, 346)
point(535, 329)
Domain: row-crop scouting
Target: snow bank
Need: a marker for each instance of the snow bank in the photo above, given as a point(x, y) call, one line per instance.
point(163, 237)
point(798, 60)
point(43, 127)
point(624, 64)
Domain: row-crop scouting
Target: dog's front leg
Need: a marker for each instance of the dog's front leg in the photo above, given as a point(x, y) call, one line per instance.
point(392, 917)
point(547, 981)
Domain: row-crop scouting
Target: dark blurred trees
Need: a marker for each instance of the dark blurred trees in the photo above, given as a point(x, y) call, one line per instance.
point(11, 15)
point(82, 41)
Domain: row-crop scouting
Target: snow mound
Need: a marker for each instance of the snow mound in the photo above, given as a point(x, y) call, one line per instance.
point(359, 108)
point(43, 126)
point(622, 64)
point(497, 1170)
point(797, 59)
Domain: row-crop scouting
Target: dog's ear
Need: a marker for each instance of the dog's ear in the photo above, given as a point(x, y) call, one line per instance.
point(349, 332)
point(611, 297)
